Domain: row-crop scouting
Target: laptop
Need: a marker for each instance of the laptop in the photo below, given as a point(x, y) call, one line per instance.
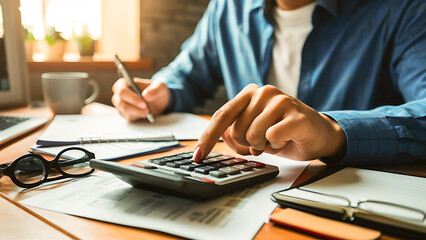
point(13, 126)
point(14, 87)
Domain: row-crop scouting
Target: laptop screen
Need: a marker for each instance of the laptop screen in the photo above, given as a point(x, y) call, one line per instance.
point(4, 78)
point(13, 66)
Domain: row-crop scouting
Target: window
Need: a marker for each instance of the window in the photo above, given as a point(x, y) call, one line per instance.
point(70, 30)
point(1, 23)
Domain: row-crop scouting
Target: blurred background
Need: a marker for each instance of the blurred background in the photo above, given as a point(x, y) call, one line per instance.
point(84, 35)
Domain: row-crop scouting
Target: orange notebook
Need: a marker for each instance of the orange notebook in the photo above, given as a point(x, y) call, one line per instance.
point(322, 227)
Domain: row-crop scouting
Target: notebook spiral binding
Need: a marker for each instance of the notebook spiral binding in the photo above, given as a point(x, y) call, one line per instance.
point(91, 140)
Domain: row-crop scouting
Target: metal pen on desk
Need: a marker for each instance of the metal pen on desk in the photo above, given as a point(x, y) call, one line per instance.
point(122, 70)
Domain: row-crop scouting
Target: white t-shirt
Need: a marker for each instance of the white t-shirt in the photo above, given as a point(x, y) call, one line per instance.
point(290, 31)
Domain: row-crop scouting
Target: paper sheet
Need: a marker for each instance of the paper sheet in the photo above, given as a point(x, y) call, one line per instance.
point(235, 216)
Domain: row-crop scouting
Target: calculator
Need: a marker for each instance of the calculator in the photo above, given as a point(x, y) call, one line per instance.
point(178, 175)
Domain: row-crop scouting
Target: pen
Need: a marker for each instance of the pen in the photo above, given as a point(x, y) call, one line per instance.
point(122, 70)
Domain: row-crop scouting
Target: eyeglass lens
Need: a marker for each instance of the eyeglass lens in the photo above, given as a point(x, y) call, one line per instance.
point(74, 162)
point(393, 211)
point(318, 197)
point(30, 170)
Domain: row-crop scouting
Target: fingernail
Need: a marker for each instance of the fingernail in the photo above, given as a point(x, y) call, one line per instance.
point(142, 105)
point(196, 155)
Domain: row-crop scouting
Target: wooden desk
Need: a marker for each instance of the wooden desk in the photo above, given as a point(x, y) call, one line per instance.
point(91, 229)
point(22, 223)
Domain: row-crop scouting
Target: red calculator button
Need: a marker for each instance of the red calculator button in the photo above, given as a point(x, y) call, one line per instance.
point(207, 180)
point(256, 164)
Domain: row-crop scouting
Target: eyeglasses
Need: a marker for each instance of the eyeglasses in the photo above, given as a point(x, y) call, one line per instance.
point(364, 209)
point(32, 169)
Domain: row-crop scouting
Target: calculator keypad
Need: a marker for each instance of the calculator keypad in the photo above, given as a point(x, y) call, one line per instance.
point(178, 175)
point(216, 167)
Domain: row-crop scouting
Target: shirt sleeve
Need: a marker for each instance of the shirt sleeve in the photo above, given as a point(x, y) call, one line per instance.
point(385, 135)
point(394, 134)
point(195, 73)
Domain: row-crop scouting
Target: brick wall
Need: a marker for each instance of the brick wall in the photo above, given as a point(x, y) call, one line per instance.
point(165, 25)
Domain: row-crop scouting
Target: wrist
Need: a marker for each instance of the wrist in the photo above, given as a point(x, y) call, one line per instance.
point(337, 141)
point(171, 104)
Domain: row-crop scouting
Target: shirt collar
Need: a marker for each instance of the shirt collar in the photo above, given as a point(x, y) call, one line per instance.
point(329, 5)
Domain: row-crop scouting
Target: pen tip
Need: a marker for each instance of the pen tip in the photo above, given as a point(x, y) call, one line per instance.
point(150, 118)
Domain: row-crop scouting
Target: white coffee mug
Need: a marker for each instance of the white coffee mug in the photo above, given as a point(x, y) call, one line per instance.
point(66, 92)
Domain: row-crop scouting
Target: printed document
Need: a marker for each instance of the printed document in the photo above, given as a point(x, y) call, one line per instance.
point(239, 215)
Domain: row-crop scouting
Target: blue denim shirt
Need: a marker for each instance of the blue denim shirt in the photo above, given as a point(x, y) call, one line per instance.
point(363, 64)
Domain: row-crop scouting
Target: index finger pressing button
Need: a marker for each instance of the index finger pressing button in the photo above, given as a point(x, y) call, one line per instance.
point(222, 119)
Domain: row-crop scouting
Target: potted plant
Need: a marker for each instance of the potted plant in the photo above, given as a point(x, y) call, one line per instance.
point(29, 42)
point(56, 44)
point(86, 44)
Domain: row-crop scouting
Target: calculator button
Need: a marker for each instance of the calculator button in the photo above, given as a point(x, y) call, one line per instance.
point(185, 155)
point(177, 164)
point(243, 167)
point(173, 164)
point(183, 162)
point(204, 170)
point(214, 154)
point(188, 167)
point(143, 165)
point(159, 162)
point(228, 157)
point(217, 173)
point(154, 159)
point(217, 159)
point(256, 164)
point(234, 161)
point(163, 161)
point(218, 165)
point(230, 170)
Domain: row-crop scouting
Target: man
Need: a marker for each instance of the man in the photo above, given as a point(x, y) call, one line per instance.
point(360, 80)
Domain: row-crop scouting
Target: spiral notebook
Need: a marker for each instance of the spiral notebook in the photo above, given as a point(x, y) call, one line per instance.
point(88, 129)
point(114, 151)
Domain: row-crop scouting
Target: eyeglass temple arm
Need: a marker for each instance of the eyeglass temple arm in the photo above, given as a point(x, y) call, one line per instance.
point(28, 169)
point(74, 161)
point(395, 205)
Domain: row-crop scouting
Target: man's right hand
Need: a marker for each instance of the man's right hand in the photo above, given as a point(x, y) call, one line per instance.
point(131, 106)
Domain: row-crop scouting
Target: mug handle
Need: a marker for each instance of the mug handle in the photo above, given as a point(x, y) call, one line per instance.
point(95, 93)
